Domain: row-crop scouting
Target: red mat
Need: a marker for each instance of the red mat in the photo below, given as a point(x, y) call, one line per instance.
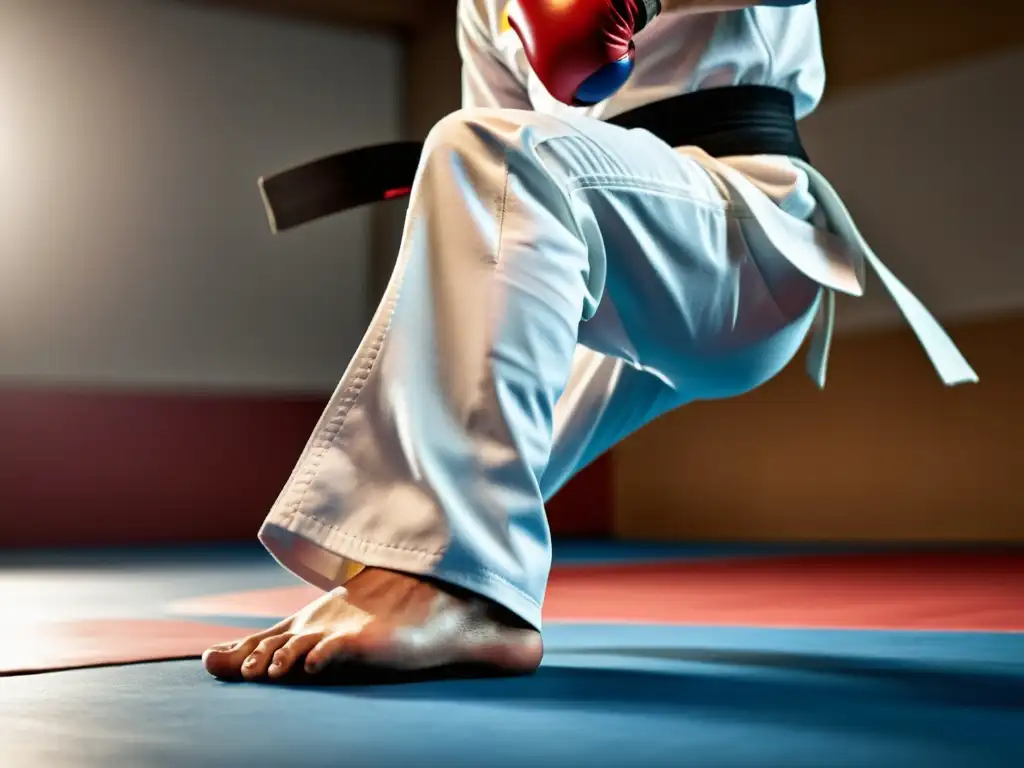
point(926, 592)
point(76, 644)
point(951, 592)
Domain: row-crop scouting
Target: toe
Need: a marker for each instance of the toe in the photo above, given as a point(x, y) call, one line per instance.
point(256, 663)
point(339, 647)
point(295, 649)
point(225, 660)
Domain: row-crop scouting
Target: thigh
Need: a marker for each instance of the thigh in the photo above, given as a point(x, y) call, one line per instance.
point(681, 263)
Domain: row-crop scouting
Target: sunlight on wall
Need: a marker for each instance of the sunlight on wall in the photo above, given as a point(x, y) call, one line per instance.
point(134, 247)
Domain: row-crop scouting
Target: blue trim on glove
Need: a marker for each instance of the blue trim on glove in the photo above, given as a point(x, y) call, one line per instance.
point(605, 82)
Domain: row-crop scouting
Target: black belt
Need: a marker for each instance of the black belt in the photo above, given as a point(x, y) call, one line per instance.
point(735, 120)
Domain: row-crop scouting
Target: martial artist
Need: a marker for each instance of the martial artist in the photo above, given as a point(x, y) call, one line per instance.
point(561, 282)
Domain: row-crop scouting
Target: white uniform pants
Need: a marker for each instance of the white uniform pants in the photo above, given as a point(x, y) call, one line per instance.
point(560, 283)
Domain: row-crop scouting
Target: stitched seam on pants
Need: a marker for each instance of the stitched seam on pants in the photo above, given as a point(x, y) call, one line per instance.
point(302, 483)
point(486, 386)
point(367, 543)
point(486, 380)
point(341, 533)
point(618, 175)
point(609, 181)
point(501, 216)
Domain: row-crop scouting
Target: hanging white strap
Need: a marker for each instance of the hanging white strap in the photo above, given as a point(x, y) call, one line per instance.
point(821, 341)
point(836, 261)
point(950, 364)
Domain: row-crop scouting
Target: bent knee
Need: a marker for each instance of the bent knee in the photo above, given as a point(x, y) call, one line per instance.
point(475, 128)
point(460, 131)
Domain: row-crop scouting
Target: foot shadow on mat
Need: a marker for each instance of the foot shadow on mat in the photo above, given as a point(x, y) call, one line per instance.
point(854, 696)
point(903, 679)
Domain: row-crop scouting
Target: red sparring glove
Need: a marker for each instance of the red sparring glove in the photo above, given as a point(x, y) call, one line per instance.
point(581, 50)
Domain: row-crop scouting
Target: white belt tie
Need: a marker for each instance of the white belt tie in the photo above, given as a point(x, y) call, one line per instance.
point(836, 260)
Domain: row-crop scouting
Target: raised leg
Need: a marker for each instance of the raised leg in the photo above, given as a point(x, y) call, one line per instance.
point(470, 400)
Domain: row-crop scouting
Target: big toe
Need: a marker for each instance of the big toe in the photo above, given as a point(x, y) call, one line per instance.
point(225, 661)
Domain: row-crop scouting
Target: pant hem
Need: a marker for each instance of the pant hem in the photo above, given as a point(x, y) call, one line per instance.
point(326, 557)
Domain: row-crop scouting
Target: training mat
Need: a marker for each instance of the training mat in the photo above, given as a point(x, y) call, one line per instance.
point(924, 592)
point(56, 645)
point(606, 696)
point(66, 619)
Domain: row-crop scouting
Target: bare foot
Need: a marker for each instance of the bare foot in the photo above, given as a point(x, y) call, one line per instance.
point(386, 620)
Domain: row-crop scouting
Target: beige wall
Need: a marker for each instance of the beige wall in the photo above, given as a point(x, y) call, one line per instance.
point(134, 249)
point(433, 83)
point(430, 90)
point(873, 41)
point(885, 452)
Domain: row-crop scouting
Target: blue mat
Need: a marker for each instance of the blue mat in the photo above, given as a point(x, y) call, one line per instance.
point(606, 696)
point(612, 695)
